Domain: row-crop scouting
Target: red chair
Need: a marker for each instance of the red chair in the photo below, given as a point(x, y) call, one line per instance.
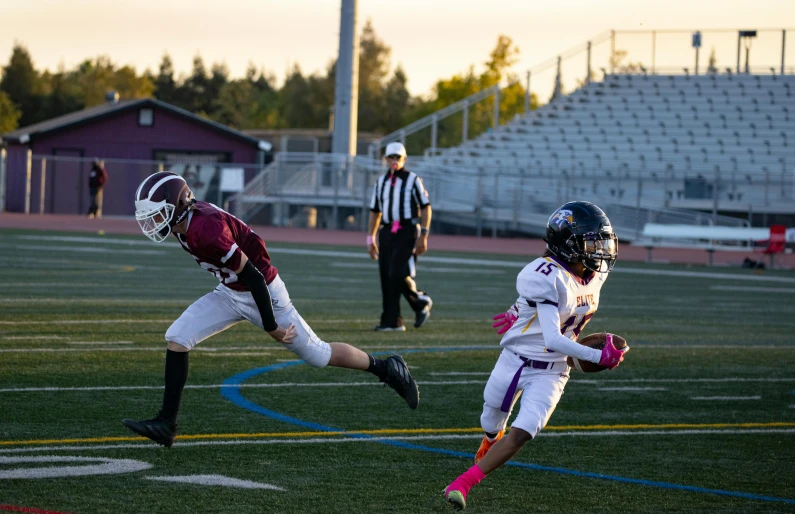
point(776, 244)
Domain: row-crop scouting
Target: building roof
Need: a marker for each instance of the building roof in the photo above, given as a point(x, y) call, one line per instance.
point(26, 134)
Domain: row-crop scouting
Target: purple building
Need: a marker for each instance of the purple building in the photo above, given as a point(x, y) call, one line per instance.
point(134, 138)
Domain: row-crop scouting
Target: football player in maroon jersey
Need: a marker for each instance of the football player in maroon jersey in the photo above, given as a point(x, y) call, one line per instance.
point(250, 289)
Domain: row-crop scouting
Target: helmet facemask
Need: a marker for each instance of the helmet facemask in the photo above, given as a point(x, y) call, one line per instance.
point(154, 218)
point(597, 251)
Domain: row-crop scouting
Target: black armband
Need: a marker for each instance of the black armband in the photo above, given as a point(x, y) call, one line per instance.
point(259, 290)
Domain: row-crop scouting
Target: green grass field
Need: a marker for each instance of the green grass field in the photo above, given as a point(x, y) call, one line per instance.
point(705, 401)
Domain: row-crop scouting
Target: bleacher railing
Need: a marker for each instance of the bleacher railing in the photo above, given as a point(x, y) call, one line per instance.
point(486, 199)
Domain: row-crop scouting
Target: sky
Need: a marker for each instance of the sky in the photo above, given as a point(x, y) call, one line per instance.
point(430, 39)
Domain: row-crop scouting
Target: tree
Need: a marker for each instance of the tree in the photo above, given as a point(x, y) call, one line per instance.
point(9, 113)
point(165, 85)
point(236, 100)
point(448, 91)
point(192, 93)
point(63, 93)
point(219, 77)
point(100, 76)
point(396, 101)
point(374, 57)
point(618, 66)
point(22, 83)
point(295, 109)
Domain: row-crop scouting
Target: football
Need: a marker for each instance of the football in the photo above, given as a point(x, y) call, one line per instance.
point(595, 341)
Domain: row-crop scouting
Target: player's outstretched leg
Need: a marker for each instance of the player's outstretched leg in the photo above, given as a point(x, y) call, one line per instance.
point(392, 371)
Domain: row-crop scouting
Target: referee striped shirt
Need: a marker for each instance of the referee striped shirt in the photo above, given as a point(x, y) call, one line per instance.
point(399, 196)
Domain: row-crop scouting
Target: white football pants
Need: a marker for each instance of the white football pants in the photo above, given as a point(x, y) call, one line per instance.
point(542, 391)
point(224, 307)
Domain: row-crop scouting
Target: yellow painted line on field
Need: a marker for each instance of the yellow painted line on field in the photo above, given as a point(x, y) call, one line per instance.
point(403, 431)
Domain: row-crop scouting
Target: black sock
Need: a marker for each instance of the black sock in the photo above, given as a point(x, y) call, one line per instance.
point(176, 376)
point(377, 367)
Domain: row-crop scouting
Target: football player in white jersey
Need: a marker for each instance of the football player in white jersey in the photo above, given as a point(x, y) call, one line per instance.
point(558, 295)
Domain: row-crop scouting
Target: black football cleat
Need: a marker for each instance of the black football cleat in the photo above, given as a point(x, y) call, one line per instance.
point(159, 430)
point(399, 378)
point(424, 313)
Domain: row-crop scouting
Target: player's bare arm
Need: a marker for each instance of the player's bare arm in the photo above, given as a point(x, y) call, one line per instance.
point(421, 246)
point(251, 276)
point(372, 228)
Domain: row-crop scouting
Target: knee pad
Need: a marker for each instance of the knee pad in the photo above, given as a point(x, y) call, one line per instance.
point(316, 353)
point(174, 335)
point(493, 419)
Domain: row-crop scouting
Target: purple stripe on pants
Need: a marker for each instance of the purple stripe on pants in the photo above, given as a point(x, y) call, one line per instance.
point(508, 399)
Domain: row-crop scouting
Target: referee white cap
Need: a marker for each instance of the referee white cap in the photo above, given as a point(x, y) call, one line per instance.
point(395, 149)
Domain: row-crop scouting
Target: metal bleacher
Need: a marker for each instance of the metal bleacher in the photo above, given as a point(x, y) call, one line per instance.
point(668, 141)
point(659, 145)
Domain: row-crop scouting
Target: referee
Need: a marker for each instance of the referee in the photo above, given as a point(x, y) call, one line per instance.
point(401, 207)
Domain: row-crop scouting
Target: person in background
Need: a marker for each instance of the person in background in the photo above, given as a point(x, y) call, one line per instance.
point(97, 177)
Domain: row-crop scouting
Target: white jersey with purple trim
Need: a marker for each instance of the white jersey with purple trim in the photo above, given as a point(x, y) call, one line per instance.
point(547, 280)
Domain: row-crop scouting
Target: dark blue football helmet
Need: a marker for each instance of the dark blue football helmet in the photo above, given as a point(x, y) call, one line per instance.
point(581, 232)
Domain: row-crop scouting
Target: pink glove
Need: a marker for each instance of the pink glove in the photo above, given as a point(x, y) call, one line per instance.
point(611, 356)
point(503, 322)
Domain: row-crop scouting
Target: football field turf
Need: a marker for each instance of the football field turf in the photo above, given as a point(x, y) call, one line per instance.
point(699, 418)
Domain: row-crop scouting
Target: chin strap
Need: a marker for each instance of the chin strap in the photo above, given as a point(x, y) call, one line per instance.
point(182, 216)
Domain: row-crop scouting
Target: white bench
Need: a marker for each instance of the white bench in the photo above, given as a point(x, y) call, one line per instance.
point(706, 237)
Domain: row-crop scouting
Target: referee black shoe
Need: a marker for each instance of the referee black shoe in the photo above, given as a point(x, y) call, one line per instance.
point(424, 313)
point(159, 430)
point(399, 378)
point(382, 328)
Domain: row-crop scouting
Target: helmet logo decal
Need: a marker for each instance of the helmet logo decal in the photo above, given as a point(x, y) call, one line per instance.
point(562, 217)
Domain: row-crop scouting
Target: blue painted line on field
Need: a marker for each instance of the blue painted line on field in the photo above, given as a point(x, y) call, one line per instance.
point(234, 395)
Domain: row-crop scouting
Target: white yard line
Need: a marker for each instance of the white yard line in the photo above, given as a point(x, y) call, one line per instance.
point(397, 347)
point(423, 269)
point(121, 301)
point(725, 398)
point(86, 322)
point(89, 343)
point(603, 385)
point(217, 480)
point(333, 440)
point(447, 260)
point(752, 289)
point(87, 249)
point(238, 354)
point(101, 240)
point(30, 338)
point(629, 381)
point(633, 389)
point(245, 386)
point(75, 350)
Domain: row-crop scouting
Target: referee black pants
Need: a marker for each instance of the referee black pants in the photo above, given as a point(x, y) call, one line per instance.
point(395, 250)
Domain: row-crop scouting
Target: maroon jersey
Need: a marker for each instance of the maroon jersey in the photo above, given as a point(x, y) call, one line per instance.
point(218, 240)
